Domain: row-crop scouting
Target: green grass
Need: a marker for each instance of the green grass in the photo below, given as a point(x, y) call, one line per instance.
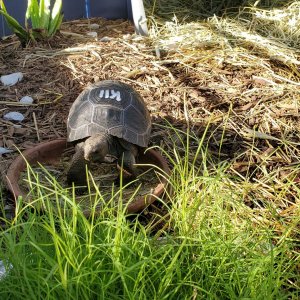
point(213, 247)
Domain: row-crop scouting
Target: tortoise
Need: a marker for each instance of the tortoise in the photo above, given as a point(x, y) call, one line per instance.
point(107, 118)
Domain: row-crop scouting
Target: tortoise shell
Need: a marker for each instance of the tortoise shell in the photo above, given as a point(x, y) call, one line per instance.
point(112, 107)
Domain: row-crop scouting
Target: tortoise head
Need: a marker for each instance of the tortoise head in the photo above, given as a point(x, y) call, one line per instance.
point(96, 147)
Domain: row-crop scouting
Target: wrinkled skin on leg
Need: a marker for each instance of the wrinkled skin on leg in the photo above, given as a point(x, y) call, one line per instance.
point(127, 159)
point(76, 172)
point(93, 148)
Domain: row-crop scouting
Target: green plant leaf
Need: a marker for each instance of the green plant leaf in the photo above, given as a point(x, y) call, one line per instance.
point(32, 13)
point(2, 6)
point(27, 14)
point(44, 13)
point(43, 21)
point(56, 17)
point(14, 24)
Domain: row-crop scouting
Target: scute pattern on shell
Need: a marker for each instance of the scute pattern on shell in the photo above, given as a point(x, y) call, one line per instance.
point(112, 107)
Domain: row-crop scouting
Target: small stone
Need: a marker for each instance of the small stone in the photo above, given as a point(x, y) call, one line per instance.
point(5, 150)
point(14, 116)
point(94, 26)
point(105, 39)
point(4, 269)
point(26, 100)
point(92, 34)
point(11, 79)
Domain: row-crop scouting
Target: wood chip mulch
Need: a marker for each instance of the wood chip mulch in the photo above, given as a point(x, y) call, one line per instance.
point(189, 93)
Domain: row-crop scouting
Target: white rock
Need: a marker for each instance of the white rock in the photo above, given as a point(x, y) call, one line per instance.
point(4, 269)
point(26, 100)
point(105, 39)
point(92, 34)
point(11, 79)
point(5, 150)
point(14, 116)
point(94, 26)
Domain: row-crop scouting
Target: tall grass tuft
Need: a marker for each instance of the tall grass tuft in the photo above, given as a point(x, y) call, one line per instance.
point(214, 247)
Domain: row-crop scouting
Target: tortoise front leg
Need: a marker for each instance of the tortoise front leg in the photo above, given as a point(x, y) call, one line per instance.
point(77, 170)
point(127, 161)
point(127, 157)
